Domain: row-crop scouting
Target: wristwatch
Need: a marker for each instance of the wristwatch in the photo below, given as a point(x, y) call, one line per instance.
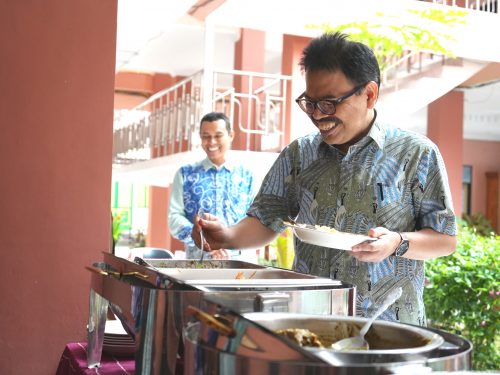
point(403, 246)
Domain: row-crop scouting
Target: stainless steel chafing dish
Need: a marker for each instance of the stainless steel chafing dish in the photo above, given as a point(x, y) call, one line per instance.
point(151, 301)
point(224, 342)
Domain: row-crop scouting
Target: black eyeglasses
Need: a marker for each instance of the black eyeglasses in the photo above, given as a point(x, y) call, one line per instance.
point(326, 106)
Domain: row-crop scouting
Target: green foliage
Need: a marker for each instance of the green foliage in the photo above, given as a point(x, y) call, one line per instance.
point(116, 227)
point(462, 294)
point(421, 30)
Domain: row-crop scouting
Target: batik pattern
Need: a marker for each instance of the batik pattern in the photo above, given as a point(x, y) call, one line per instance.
point(225, 192)
point(391, 178)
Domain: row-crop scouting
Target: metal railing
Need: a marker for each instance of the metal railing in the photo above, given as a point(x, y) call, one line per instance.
point(478, 5)
point(410, 63)
point(258, 107)
point(162, 125)
point(168, 121)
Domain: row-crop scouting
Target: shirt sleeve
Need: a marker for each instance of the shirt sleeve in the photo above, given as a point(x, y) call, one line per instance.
point(432, 195)
point(179, 225)
point(276, 199)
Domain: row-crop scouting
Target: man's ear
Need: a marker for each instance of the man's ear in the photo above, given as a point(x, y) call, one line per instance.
point(372, 94)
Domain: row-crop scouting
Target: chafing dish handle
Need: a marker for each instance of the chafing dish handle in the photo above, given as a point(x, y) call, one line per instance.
point(100, 271)
point(210, 321)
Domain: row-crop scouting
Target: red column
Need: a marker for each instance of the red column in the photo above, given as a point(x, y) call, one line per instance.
point(157, 218)
point(249, 56)
point(292, 51)
point(57, 78)
point(445, 124)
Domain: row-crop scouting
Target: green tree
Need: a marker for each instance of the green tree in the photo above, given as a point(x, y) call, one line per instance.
point(422, 30)
point(462, 294)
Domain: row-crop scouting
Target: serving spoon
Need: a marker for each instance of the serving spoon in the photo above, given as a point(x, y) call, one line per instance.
point(201, 213)
point(358, 342)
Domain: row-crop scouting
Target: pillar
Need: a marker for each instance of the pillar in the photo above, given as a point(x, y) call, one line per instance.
point(292, 52)
point(57, 77)
point(445, 124)
point(249, 56)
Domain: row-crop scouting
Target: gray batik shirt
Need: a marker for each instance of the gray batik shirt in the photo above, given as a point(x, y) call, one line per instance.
point(391, 178)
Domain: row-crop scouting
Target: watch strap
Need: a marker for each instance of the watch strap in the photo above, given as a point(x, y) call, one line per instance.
point(403, 245)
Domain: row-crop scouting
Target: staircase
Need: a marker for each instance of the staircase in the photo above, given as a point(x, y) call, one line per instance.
point(406, 95)
point(151, 141)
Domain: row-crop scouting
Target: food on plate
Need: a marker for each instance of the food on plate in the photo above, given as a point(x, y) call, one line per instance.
point(324, 228)
point(306, 338)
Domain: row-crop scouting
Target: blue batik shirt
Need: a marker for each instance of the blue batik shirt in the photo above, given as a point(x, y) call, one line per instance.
point(391, 178)
point(224, 191)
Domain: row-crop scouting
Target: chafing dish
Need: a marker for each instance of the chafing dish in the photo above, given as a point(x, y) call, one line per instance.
point(150, 302)
point(248, 344)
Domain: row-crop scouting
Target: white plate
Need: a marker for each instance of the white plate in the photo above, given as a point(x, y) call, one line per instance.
point(114, 327)
point(321, 237)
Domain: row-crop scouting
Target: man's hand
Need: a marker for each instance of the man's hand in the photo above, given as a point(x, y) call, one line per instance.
point(213, 232)
point(378, 250)
point(424, 244)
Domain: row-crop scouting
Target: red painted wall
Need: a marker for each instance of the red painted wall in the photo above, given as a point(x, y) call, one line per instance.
point(249, 55)
point(292, 52)
point(57, 77)
point(445, 118)
point(483, 156)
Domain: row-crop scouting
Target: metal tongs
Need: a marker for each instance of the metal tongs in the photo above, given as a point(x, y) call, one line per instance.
point(201, 212)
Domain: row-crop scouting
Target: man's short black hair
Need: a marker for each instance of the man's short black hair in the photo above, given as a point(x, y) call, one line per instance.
point(335, 52)
point(216, 116)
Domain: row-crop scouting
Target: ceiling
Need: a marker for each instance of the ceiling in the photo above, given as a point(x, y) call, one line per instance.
point(169, 36)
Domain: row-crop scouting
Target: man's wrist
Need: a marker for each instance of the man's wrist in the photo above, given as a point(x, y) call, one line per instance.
point(403, 245)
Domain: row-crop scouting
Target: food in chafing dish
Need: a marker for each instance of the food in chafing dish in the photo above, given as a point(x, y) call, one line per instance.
point(301, 336)
point(241, 275)
point(191, 264)
point(306, 338)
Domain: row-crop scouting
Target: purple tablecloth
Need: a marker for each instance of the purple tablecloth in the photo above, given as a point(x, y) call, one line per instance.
point(74, 362)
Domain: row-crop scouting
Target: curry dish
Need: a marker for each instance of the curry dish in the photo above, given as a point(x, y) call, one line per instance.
point(305, 337)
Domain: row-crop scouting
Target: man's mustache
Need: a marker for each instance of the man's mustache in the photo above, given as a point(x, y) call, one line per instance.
point(329, 119)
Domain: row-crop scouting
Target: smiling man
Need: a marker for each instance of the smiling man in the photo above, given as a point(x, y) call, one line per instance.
point(215, 184)
point(357, 175)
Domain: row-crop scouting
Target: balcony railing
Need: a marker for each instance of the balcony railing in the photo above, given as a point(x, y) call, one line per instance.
point(479, 5)
point(168, 122)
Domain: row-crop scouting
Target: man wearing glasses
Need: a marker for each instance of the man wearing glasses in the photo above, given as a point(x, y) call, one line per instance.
point(357, 175)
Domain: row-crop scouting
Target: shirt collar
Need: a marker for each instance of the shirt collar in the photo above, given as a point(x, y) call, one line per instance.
point(207, 164)
point(377, 133)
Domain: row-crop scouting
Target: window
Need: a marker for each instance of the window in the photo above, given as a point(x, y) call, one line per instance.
point(466, 189)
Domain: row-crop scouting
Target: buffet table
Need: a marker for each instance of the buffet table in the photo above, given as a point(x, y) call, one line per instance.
point(74, 362)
